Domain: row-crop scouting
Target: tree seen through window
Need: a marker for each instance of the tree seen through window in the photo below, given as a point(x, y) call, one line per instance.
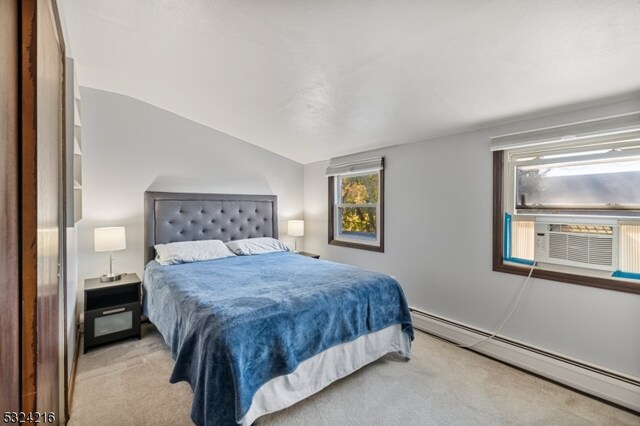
point(362, 191)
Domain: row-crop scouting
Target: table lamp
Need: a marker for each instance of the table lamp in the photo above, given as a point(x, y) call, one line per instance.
point(109, 239)
point(295, 228)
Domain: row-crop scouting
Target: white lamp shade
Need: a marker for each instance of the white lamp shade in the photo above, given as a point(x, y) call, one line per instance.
point(295, 228)
point(109, 239)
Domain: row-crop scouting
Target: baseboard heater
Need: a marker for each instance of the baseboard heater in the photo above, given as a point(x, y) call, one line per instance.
point(609, 385)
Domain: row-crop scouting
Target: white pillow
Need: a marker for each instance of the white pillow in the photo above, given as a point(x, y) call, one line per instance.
point(256, 246)
point(191, 251)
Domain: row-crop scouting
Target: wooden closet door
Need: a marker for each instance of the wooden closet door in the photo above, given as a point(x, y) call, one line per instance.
point(42, 143)
point(9, 230)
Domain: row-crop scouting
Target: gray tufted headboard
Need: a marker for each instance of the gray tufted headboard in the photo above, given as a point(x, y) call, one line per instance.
point(170, 217)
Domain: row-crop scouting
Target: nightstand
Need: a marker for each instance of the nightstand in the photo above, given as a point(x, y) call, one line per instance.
point(304, 253)
point(111, 310)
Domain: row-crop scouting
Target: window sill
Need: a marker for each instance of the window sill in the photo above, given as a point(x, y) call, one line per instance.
point(350, 244)
point(545, 274)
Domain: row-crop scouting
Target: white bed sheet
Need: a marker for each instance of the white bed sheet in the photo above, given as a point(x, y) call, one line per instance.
point(325, 368)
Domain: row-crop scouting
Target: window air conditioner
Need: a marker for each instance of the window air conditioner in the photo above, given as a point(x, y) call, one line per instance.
point(592, 246)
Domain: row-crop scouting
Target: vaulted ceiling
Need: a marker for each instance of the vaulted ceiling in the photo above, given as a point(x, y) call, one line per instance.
point(312, 80)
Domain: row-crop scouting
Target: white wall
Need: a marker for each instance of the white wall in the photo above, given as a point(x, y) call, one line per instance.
point(71, 255)
point(130, 147)
point(438, 242)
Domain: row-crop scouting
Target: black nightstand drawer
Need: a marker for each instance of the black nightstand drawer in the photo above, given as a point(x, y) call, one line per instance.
point(112, 296)
point(110, 324)
point(112, 310)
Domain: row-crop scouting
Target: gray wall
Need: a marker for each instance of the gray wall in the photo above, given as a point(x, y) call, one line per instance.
point(130, 146)
point(438, 234)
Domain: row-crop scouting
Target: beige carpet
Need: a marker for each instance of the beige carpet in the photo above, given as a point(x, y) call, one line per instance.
point(128, 383)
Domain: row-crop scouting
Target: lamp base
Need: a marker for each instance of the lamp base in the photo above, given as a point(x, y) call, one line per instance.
point(111, 277)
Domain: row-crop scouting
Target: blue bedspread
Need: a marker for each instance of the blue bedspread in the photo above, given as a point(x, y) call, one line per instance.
point(234, 324)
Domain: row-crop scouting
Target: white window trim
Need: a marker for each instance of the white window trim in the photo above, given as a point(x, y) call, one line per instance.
point(337, 191)
point(596, 131)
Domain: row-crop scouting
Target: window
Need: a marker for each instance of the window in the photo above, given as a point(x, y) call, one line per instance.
point(604, 181)
point(356, 206)
point(556, 189)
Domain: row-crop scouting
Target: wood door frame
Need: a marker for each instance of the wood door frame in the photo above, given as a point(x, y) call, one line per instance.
point(28, 21)
point(29, 206)
point(9, 227)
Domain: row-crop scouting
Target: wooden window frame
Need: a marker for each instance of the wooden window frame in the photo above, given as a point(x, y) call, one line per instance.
point(334, 242)
point(498, 247)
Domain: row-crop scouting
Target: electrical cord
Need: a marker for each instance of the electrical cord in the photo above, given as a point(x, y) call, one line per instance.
point(509, 315)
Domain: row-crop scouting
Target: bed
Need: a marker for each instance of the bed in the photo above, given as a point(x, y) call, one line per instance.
point(256, 334)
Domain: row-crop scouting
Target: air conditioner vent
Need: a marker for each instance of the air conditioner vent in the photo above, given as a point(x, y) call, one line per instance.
point(591, 246)
point(557, 246)
point(601, 251)
point(582, 229)
point(578, 248)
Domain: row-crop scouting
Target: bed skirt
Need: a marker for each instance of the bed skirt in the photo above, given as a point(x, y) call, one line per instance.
point(321, 370)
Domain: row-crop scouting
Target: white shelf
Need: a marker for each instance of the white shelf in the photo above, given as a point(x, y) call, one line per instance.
point(76, 87)
point(77, 204)
point(76, 146)
point(76, 115)
point(73, 145)
point(77, 170)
